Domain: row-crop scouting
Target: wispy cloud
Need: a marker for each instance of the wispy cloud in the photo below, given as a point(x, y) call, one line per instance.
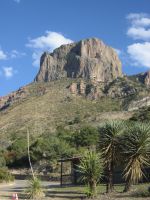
point(3, 55)
point(9, 72)
point(16, 54)
point(17, 1)
point(139, 19)
point(47, 42)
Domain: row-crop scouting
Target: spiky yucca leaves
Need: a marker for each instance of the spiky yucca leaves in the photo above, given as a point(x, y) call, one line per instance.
point(91, 170)
point(136, 151)
point(35, 191)
point(109, 143)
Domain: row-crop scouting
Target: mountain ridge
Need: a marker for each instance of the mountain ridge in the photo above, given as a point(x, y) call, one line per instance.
point(71, 102)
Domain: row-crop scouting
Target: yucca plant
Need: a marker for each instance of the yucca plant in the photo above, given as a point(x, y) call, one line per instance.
point(35, 188)
point(35, 191)
point(136, 151)
point(91, 170)
point(109, 144)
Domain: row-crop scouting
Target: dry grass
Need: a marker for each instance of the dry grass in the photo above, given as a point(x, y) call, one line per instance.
point(43, 113)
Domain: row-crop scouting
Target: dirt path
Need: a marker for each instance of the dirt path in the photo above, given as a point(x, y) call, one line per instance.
point(19, 186)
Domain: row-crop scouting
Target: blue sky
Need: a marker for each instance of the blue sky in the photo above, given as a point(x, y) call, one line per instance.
point(29, 27)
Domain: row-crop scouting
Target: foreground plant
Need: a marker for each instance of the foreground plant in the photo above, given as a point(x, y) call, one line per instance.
point(35, 189)
point(109, 144)
point(91, 170)
point(5, 175)
point(136, 151)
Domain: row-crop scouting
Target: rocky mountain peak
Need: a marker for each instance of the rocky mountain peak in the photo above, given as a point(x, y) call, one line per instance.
point(88, 59)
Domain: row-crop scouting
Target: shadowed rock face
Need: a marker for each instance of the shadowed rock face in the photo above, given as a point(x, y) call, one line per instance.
point(89, 59)
point(144, 78)
point(147, 78)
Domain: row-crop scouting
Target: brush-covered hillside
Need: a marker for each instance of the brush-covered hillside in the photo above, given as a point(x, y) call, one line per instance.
point(79, 84)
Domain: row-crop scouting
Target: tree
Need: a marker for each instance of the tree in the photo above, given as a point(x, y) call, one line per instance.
point(110, 134)
point(87, 136)
point(136, 151)
point(91, 170)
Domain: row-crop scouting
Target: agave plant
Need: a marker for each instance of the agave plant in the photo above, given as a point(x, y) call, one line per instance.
point(35, 189)
point(91, 170)
point(136, 151)
point(109, 144)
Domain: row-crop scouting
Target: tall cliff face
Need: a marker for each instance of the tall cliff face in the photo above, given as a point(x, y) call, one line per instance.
point(87, 59)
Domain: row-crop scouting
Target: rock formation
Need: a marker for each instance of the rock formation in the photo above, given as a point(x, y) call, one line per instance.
point(147, 78)
point(144, 78)
point(89, 59)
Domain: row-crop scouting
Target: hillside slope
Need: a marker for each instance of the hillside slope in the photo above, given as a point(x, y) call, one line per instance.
point(71, 102)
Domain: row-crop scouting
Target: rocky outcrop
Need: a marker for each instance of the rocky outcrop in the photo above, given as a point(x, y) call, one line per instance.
point(8, 100)
point(143, 78)
point(89, 59)
point(147, 78)
point(135, 105)
point(85, 89)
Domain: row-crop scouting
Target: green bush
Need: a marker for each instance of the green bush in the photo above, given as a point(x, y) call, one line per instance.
point(50, 148)
point(5, 175)
point(86, 136)
point(2, 160)
point(16, 154)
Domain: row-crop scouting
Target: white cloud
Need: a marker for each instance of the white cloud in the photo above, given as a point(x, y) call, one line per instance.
point(15, 54)
point(140, 54)
point(139, 33)
point(9, 72)
point(3, 56)
point(139, 19)
point(139, 29)
point(139, 26)
point(47, 42)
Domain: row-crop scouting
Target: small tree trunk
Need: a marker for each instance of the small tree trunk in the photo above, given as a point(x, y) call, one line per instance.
point(110, 187)
point(29, 154)
point(92, 185)
point(127, 187)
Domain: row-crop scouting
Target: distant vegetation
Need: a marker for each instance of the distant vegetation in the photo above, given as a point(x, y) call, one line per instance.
point(142, 115)
point(5, 175)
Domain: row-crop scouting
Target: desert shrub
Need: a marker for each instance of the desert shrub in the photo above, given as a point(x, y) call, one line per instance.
point(86, 136)
point(76, 120)
point(2, 160)
point(5, 175)
point(143, 191)
point(142, 115)
point(16, 154)
point(35, 189)
point(66, 135)
point(50, 148)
